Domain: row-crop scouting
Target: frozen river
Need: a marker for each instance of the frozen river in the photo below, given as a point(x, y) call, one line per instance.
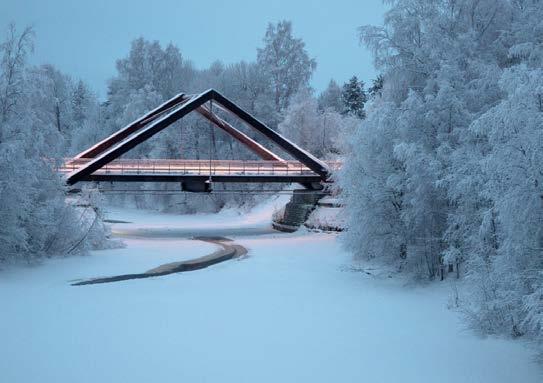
point(292, 311)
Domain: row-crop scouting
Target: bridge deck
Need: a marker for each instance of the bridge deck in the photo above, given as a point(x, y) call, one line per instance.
point(168, 170)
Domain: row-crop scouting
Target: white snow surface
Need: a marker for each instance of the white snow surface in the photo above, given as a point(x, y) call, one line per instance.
point(289, 312)
point(327, 217)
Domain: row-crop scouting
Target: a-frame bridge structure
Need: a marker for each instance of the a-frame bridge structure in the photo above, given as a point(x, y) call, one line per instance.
point(102, 161)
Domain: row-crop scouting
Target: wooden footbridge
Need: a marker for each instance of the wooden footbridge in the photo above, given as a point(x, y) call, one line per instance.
point(102, 161)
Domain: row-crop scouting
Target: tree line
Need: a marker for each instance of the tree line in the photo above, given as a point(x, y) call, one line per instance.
point(446, 171)
point(36, 219)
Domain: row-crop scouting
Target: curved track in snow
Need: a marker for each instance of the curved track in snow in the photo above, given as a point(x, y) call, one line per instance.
point(229, 251)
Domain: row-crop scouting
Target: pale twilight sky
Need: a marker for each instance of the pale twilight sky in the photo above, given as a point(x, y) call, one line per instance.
point(85, 38)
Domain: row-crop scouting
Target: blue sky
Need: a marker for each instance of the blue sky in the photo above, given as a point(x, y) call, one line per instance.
point(84, 38)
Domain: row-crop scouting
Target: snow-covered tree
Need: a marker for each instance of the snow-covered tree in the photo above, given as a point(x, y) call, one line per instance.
point(36, 219)
point(285, 60)
point(511, 230)
point(15, 50)
point(446, 169)
point(331, 98)
point(319, 131)
point(85, 118)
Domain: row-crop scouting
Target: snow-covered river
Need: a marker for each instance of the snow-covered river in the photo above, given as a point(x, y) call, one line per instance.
point(292, 311)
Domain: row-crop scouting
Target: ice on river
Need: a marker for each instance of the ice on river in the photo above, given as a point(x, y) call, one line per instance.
point(290, 312)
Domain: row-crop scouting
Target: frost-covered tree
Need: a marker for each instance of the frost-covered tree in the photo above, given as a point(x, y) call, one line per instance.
point(15, 50)
point(285, 60)
point(36, 219)
point(301, 121)
point(319, 131)
point(446, 169)
point(69, 105)
point(148, 76)
point(429, 105)
point(83, 102)
point(508, 253)
point(86, 122)
point(331, 98)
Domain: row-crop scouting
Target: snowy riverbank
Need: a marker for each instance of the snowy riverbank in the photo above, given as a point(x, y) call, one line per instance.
point(289, 312)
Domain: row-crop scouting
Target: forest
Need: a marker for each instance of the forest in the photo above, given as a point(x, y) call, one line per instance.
point(447, 167)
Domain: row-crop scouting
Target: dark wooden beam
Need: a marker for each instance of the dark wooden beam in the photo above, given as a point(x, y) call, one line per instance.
point(251, 144)
point(137, 138)
point(294, 150)
point(134, 126)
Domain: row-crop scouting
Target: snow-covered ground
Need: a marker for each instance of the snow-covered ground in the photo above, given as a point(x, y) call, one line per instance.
point(290, 312)
point(328, 218)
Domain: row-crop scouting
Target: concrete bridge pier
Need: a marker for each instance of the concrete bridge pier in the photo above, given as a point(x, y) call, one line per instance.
point(297, 210)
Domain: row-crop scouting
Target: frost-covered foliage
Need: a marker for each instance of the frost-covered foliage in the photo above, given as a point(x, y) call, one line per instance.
point(447, 167)
point(508, 247)
point(330, 98)
point(286, 63)
point(36, 219)
point(316, 130)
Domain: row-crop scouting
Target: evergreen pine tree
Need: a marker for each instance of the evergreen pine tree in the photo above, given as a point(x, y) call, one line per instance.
point(377, 86)
point(354, 97)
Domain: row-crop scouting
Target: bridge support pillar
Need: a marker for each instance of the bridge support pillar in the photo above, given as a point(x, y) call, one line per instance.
point(296, 211)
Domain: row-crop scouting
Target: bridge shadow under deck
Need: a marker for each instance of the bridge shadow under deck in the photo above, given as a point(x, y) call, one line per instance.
point(254, 178)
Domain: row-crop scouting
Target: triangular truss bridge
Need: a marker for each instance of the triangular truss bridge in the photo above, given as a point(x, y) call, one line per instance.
point(102, 161)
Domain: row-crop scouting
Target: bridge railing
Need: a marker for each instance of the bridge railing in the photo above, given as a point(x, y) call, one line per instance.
point(195, 167)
